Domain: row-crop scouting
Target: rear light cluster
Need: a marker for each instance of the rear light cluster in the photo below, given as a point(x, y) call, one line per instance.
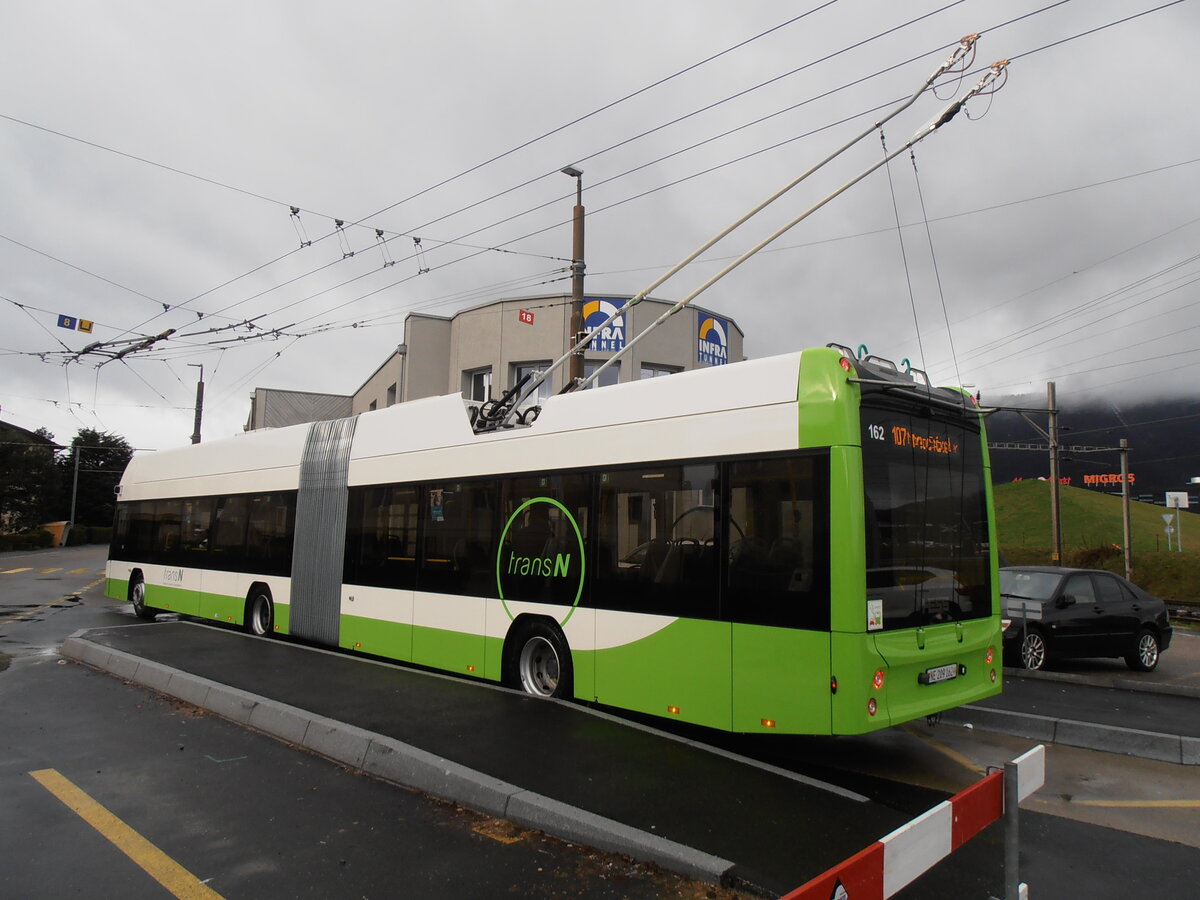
point(877, 684)
point(988, 659)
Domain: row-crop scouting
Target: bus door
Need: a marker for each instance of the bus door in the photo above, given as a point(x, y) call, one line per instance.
point(776, 594)
point(661, 646)
point(177, 585)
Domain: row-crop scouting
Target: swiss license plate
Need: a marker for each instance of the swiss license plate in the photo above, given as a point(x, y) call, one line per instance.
point(940, 673)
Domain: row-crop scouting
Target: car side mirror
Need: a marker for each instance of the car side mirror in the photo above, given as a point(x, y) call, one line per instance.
point(1065, 601)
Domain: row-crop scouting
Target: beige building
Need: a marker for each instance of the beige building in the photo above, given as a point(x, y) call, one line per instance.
point(483, 351)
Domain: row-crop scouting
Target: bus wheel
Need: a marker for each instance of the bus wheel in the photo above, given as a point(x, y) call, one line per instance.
point(260, 612)
point(544, 662)
point(137, 596)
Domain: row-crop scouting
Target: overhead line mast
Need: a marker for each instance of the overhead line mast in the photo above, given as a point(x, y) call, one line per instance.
point(957, 62)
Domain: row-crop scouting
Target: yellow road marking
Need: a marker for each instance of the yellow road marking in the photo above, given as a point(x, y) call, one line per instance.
point(174, 877)
point(78, 571)
point(48, 571)
point(1141, 804)
point(38, 609)
point(504, 832)
point(15, 571)
point(964, 761)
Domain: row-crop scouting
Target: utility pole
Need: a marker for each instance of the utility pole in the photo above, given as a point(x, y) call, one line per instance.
point(1127, 531)
point(199, 403)
point(1055, 514)
point(575, 364)
point(74, 494)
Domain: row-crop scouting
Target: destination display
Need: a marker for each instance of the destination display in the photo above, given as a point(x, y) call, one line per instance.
point(904, 437)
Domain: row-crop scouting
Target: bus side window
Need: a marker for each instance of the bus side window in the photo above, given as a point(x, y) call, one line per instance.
point(194, 532)
point(269, 533)
point(661, 525)
point(166, 532)
point(457, 538)
point(541, 558)
point(774, 546)
point(228, 542)
point(381, 536)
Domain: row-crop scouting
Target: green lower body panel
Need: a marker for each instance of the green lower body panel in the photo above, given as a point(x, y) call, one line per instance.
point(179, 600)
point(780, 680)
point(449, 650)
point(679, 672)
point(218, 608)
point(116, 589)
point(391, 639)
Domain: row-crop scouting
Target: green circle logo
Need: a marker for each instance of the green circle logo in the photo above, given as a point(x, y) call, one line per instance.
point(538, 563)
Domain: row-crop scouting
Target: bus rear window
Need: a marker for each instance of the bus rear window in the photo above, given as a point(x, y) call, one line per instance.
point(926, 521)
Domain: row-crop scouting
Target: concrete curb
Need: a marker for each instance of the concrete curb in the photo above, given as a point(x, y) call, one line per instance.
point(1172, 748)
point(402, 764)
point(1106, 681)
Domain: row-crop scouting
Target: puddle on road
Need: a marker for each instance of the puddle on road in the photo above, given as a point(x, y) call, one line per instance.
point(5, 659)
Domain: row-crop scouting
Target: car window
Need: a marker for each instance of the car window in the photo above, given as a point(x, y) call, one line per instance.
point(1021, 585)
point(1109, 589)
point(1080, 587)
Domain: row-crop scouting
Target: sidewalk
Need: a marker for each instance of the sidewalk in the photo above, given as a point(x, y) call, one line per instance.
point(1153, 715)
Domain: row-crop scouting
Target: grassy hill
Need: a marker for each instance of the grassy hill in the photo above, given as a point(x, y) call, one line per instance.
point(1092, 537)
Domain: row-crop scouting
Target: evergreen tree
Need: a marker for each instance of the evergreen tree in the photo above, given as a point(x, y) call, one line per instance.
point(102, 459)
point(28, 479)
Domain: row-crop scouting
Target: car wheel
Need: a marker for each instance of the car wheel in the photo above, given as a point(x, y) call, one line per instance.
point(1144, 657)
point(544, 662)
point(137, 596)
point(260, 613)
point(1033, 650)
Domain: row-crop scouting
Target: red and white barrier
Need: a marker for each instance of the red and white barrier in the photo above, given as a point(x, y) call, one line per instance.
point(895, 861)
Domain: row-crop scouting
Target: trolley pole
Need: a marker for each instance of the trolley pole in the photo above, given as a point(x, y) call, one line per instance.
point(1126, 530)
point(1055, 513)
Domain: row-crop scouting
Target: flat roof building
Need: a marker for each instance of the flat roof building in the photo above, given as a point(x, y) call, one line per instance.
point(483, 351)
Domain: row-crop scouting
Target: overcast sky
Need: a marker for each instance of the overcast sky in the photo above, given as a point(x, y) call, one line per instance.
point(150, 153)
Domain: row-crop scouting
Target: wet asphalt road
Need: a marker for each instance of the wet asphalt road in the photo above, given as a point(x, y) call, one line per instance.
point(264, 819)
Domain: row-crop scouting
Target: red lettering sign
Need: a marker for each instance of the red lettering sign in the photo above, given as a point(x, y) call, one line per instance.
point(1107, 479)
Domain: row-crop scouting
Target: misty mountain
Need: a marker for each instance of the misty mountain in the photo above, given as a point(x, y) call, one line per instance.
point(1164, 444)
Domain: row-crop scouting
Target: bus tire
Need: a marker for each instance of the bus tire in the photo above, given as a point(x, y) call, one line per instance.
point(260, 612)
point(542, 661)
point(137, 596)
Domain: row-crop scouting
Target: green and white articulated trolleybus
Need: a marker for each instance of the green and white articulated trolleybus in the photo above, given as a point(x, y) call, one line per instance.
point(797, 544)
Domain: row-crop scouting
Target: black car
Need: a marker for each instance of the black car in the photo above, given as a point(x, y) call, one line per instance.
point(1053, 612)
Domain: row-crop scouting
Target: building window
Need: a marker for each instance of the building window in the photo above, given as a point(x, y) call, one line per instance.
point(391, 394)
point(650, 370)
point(533, 369)
point(611, 375)
point(477, 384)
point(373, 406)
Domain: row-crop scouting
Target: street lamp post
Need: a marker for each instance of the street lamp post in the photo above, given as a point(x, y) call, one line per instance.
point(199, 403)
point(575, 369)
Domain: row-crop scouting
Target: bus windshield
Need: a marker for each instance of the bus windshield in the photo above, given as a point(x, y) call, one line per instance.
point(926, 520)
